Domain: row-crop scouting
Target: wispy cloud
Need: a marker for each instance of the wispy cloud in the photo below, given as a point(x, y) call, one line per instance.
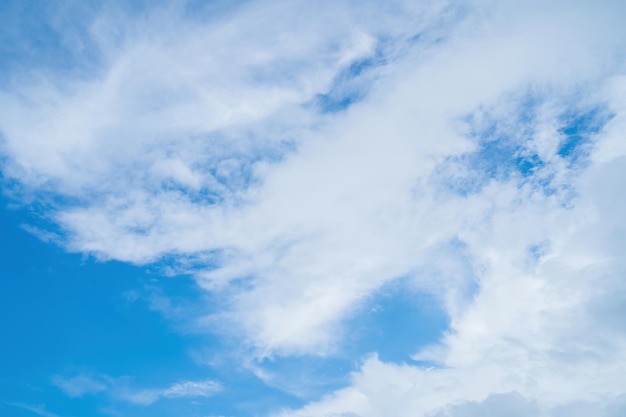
point(79, 385)
point(38, 409)
point(120, 388)
point(184, 389)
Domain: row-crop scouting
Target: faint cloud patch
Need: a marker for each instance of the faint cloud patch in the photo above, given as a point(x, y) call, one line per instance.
point(38, 409)
point(205, 388)
point(79, 385)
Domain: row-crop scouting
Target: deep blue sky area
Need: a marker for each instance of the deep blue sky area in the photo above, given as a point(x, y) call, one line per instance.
point(65, 313)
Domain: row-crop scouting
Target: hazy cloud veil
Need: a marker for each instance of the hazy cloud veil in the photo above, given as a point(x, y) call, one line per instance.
point(297, 157)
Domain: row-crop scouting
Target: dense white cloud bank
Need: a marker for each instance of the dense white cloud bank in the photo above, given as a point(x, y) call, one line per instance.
point(209, 143)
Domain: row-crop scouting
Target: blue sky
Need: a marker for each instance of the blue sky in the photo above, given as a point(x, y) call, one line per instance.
point(335, 208)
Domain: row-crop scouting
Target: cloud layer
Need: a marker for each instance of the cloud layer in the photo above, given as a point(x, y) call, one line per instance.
point(296, 159)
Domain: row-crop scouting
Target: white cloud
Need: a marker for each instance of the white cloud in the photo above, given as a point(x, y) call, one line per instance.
point(549, 331)
point(154, 180)
point(509, 404)
point(203, 142)
point(515, 405)
point(79, 385)
point(184, 389)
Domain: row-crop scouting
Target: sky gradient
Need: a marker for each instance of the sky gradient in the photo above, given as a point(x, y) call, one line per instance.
point(312, 209)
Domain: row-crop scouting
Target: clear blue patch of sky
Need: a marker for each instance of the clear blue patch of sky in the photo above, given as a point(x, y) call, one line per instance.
point(578, 131)
point(504, 151)
point(348, 87)
point(400, 319)
point(395, 323)
point(65, 314)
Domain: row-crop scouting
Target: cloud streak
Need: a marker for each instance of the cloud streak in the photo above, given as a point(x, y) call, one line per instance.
point(184, 389)
point(82, 384)
point(79, 385)
point(39, 409)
